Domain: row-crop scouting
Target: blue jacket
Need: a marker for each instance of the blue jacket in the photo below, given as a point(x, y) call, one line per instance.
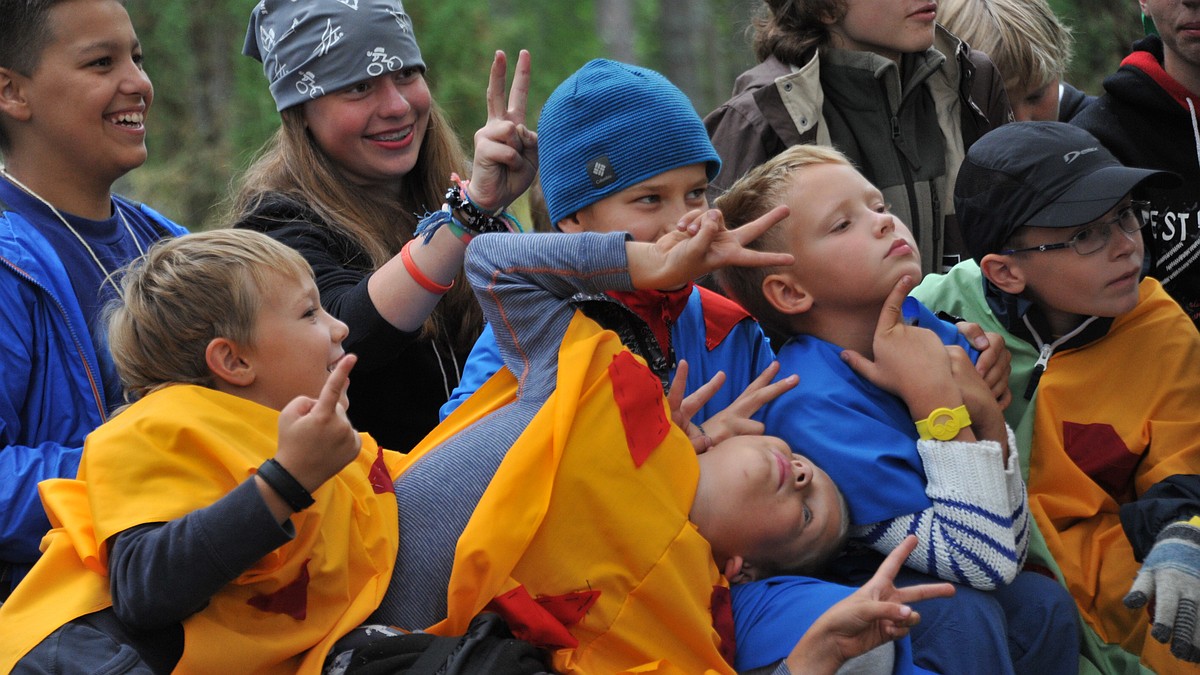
point(51, 395)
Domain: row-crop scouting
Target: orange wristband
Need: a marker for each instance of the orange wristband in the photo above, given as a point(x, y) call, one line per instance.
point(419, 276)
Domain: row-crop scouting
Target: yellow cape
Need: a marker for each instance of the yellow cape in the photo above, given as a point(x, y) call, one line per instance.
point(183, 448)
point(577, 544)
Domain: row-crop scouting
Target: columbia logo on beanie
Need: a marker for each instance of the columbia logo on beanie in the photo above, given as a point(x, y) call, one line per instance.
point(610, 126)
point(601, 171)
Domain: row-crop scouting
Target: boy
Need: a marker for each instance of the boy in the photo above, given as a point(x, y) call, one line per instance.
point(1111, 446)
point(1147, 118)
point(73, 105)
point(622, 148)
point(861, 388)
point(1030, 47)
point(561, 496)
point(225, 521)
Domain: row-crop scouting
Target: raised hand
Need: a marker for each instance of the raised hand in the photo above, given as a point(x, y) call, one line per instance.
point(994, 362)
point(701, 247)
point(908, 361)
point(316, 438)
point(506, 155)
point(736, 418)
point(683, 408)
point(876, 613)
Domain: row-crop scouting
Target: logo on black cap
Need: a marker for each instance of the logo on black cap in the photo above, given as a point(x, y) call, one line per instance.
point(601, 172)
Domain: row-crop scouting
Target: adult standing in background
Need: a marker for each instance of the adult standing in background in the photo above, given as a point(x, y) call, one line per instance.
point(1149, 117)
point(882, 82)
point(362, 153)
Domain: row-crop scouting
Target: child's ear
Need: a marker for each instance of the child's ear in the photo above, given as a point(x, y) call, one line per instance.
point(1004, 272)
point(570, 224)
point(12, 95)
point(786, 294)
point(225, 360)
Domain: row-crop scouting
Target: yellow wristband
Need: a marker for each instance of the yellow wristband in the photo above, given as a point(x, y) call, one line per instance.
point(943, 424)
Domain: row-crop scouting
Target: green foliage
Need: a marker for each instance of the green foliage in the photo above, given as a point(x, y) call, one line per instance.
point(1103, 34)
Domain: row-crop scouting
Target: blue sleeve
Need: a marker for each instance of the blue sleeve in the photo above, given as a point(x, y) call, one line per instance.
point(483, 362)
point(771, 615)
point(23, 521)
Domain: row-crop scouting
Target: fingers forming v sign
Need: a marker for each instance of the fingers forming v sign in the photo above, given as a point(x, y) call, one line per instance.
point(505, 149)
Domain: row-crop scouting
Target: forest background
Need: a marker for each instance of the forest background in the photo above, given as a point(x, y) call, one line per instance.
point(212, 110)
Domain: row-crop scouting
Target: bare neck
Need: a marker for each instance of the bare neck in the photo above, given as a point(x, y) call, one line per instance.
point(69, 192)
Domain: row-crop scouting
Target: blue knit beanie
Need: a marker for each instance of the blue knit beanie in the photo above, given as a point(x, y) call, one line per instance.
point(610, 126)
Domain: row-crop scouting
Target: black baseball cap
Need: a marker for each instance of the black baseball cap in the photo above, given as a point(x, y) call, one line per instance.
point(1039, 174)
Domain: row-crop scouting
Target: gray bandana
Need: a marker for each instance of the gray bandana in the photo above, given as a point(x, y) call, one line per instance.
point(310, 48)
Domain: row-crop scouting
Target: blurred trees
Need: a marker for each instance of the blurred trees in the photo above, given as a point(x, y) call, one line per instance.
point(212, 109)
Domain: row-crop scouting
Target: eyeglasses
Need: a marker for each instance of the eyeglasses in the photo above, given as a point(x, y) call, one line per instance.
point(1095, 237)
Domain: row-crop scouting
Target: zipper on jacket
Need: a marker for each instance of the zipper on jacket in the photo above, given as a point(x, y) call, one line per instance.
point(1046, 351)
point(914, 211)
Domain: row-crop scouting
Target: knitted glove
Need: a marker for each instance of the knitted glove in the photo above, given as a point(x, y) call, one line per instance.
point(1171, 576)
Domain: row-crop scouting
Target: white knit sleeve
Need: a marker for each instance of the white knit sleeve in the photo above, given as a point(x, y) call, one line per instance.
point(977, 531)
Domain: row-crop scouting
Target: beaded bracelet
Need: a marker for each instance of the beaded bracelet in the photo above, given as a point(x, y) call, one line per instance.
point(285, 485)
point(419, 276)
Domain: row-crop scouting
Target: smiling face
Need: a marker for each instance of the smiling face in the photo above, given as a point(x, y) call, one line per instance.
point(850, 251)
point(758, 500)
point(647, 210)
point(296, 343)
point(886, 27)
point(85, 103)
point(1068, 287)
point(373, 130)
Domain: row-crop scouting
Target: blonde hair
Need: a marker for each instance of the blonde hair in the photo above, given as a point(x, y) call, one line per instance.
point(1026, 41)
point(185, 292)
point(760, 190)
point(293, 165)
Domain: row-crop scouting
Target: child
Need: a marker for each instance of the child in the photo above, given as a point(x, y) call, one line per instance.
point(577, 510)
point(956, 486)
point(1030, 47)
point(622, 148)
point(230, 519)
point(1111, 443)
point(883, 83)
point(362, 154)
point(73, 105)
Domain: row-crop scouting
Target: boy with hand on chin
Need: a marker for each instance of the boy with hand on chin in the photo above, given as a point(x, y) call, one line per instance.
point(872, 362)
point(1106, 375)
point(73, 104)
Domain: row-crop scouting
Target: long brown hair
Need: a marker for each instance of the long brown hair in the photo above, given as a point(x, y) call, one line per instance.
point(292, 164)
point(790, 29)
